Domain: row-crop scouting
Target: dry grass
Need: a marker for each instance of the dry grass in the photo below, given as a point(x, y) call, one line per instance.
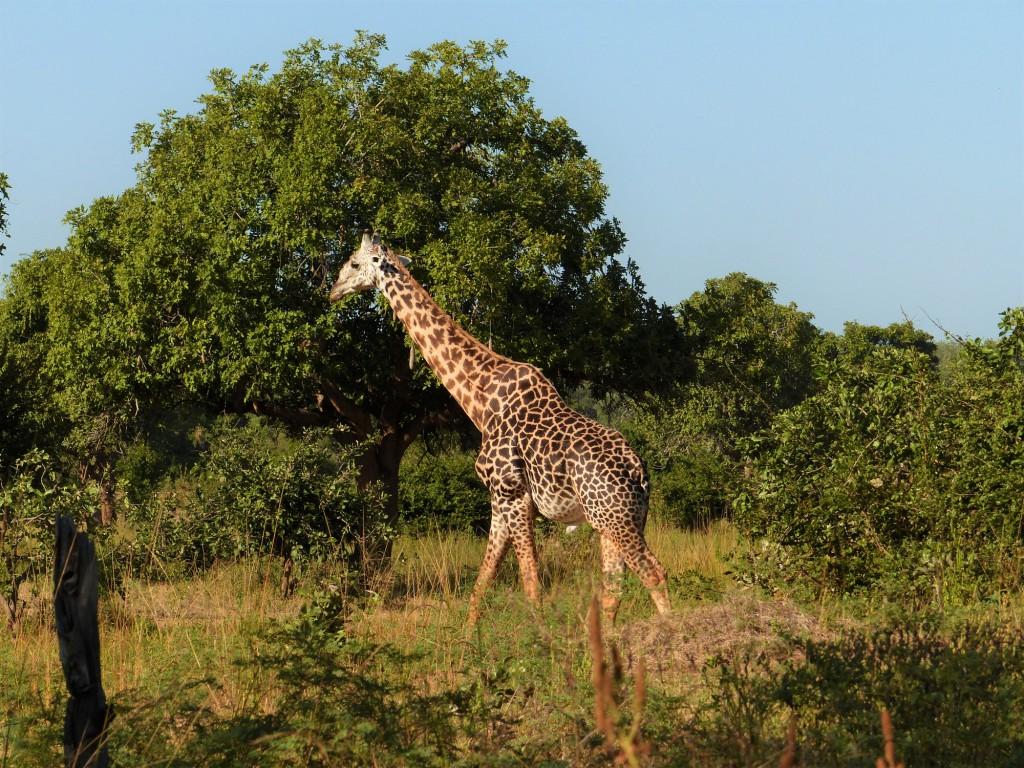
point(703, 550)
point(431, 577)
point(193, 626)
point(158, 635)
point(178, 642)
point(422, 596)
point(156, 632)
point(627, 744)
point(685, 640)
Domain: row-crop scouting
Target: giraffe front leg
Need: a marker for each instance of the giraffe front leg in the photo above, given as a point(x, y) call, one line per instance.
point(512, 513)
point(613, 567)
point(498, 541)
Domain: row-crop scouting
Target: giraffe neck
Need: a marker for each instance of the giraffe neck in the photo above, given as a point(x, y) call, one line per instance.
point(461, 362)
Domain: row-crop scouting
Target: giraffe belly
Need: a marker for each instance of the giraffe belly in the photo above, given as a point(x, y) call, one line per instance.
point(560, 507)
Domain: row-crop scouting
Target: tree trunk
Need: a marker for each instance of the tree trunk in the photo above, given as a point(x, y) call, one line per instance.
point(13, 604)
point(107, 510)
point(102, 473)
point(380, 466)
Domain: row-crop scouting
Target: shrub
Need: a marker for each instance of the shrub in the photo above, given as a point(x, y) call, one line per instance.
point(955, 695)
point(337, 704)
point(31, 498)
point(258, 489)
point(892, 475)
point(840, 475)
point(956, 698)
point(692, 480)
point(440, 489)
point(979, 457)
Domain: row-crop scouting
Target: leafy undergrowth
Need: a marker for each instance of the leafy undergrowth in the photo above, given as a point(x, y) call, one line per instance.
point(221, 670)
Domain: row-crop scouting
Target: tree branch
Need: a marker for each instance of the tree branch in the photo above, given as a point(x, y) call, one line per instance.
point(348, 410)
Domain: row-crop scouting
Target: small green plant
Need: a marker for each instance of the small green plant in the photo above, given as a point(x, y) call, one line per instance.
point(440, 490)
point(949, 697)
point(742, 721)
point(31, 498)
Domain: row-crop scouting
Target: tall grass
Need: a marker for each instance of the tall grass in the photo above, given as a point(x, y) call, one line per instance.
point(198, 666)
point(158, 634)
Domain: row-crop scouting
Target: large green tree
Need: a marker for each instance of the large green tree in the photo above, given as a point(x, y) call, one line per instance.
point(207, 280)
point(27, 418)
point(26, 415)
point(753, 355)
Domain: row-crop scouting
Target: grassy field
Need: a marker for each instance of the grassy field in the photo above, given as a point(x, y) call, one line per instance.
point(221, 669)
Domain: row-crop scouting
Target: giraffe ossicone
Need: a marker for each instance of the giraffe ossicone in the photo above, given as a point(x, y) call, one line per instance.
point(537, 455)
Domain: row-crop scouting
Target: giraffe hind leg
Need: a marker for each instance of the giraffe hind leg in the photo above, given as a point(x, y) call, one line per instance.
point(613, 567)
point(628, 539)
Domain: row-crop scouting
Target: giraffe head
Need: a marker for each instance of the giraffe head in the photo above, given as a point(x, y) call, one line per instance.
point(366, 268)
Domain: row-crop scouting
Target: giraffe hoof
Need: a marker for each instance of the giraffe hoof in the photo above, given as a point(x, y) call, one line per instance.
point(661, 602)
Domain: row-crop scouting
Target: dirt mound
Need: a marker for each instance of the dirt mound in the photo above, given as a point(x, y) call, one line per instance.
point(684, 641)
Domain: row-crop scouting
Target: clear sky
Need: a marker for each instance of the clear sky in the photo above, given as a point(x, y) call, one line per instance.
point(867, 157)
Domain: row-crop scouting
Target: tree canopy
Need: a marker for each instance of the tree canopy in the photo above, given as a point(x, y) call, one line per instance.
point(207, 279)
point(750, 357)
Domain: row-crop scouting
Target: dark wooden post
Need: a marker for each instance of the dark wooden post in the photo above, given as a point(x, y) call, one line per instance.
point(75, 597)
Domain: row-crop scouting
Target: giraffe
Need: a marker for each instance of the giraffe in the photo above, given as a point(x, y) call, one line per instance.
point(537, 455)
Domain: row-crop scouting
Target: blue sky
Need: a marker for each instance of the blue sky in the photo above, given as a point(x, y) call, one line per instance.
point(867, 157)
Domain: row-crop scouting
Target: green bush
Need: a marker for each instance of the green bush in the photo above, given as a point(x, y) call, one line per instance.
point(692, 479)
point(842, 483)
point(338, 704)
point(31, 498)
point(979, 457)
point(440, 490)
point(258, 489)
point(955, 695)
point(956, 698)
point(168, 442)
point(890, 475)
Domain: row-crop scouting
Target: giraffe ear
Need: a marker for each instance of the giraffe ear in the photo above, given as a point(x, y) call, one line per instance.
point(366, 239)
point(405, 261)
point(376, 239)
